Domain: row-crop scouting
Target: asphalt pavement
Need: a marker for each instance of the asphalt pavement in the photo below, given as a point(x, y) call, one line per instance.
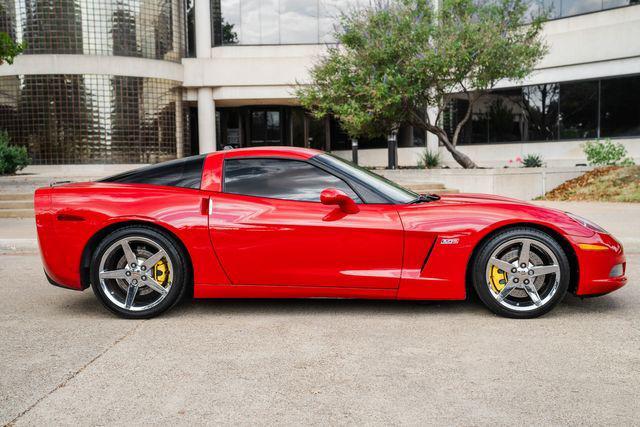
point(64, 360)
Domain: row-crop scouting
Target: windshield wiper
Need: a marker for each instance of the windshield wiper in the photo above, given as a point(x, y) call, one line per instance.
point(425, 198)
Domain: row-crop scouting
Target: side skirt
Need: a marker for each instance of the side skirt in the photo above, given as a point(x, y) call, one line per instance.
point(251, 291)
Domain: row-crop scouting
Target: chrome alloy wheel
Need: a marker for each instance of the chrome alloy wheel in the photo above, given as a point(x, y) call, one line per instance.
point(523, 274)
point(135, 273)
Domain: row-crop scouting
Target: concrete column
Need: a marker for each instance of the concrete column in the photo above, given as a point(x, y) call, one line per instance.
point(203, 28)
point(432, 140)
point(206, 120)
point(177, 25)
point(206, 105)
point(179, 124)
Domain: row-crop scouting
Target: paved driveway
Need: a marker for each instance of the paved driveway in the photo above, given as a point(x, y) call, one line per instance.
point(65, 360)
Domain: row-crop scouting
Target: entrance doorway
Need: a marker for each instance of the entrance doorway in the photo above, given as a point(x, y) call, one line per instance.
point(271, 125)
point(265, 127)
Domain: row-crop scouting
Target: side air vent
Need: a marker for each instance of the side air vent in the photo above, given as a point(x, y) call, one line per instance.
point(426, 258)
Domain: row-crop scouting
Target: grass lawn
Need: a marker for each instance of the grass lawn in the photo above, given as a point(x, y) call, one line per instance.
point(607, 184)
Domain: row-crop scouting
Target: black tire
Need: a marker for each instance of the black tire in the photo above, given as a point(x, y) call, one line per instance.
point(175, 254)
point(481, 261)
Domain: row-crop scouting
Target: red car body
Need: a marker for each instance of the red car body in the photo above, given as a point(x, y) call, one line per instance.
point(245, 246)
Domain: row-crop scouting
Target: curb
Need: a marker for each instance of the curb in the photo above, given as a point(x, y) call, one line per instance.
point(14, 246)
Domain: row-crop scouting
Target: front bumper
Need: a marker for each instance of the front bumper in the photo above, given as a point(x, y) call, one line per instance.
point(597, 256)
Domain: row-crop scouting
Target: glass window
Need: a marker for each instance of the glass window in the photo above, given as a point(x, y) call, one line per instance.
point(504, 115)
point(317, 133)
point(340, 139)
point(278, 21)
point(552, 7)
point(265, 127)
point(608, 4)
point(269, 22)
point(230, 21)
point(578, 110)
point(299, 21)
point(250, 18)
point(280, 179)
point(453, 113)
point(496, 117)
point(540, 110)
point(185, 173)
point(93, 118)
point(297, 127)
point(549, 112)
point(620, 107)
point(534, 8)
point(576, 7)
point(390, 189)
point(152, 29)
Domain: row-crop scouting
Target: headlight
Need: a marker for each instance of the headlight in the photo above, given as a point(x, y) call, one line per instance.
point(586, 223)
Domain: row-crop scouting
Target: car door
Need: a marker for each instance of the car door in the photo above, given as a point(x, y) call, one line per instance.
point(268, 227)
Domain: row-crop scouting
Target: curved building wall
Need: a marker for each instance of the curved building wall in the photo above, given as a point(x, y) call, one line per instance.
point(152, 29)
point(97, 114)
point(92, 118)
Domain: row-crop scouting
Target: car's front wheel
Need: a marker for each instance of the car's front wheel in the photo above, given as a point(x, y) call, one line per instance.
point(521, 273)
point(138, 272)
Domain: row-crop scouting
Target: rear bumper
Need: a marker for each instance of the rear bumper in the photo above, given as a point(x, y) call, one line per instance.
point(601, 263)
point(56, 284)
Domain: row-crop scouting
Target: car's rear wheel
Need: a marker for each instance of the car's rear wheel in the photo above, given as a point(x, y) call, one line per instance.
point(138, 272)
point(521, 273)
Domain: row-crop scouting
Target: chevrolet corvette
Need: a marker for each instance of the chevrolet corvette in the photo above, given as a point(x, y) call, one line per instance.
point(284, 222)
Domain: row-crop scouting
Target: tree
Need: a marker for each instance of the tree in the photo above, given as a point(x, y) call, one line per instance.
point(395, 60)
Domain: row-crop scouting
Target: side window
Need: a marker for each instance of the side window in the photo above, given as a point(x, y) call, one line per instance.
point(280, 179)
point(186, 173)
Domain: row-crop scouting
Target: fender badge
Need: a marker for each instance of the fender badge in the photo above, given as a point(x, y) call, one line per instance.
point(449, 241)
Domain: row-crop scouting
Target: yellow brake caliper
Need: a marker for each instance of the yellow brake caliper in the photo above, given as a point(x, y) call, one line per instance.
point(498, 279)
point(161, 272)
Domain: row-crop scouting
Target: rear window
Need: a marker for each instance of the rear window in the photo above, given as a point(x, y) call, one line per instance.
point(186, 173)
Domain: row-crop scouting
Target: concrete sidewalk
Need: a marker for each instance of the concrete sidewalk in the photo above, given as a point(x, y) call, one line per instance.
point(18, 235)
point(620, 219)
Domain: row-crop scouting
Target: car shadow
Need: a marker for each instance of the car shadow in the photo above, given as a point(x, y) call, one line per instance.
point(600, 304)
point(313, 306)
point(87, 306)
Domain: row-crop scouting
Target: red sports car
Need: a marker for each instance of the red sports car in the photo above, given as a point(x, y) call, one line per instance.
point(299, 223)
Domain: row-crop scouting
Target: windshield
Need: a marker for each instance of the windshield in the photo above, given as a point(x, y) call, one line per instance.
point(390, 189)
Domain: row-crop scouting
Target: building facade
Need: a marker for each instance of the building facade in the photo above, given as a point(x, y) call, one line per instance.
point(139, 81)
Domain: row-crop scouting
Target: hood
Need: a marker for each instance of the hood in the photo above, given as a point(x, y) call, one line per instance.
point(480, 198)
point(494, 200)
point(487, 210)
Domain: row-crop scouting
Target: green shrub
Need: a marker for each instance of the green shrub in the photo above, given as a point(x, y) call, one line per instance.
point(12, 157)
point(606, 153)
point(428, 159)
point(532, 161)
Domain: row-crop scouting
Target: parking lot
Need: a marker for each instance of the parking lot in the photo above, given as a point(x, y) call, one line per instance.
point(65, 360)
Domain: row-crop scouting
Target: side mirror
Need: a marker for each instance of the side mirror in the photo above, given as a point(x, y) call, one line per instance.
point(333, 196)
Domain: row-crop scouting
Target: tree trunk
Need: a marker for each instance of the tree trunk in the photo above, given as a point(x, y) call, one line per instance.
point(462, 159)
